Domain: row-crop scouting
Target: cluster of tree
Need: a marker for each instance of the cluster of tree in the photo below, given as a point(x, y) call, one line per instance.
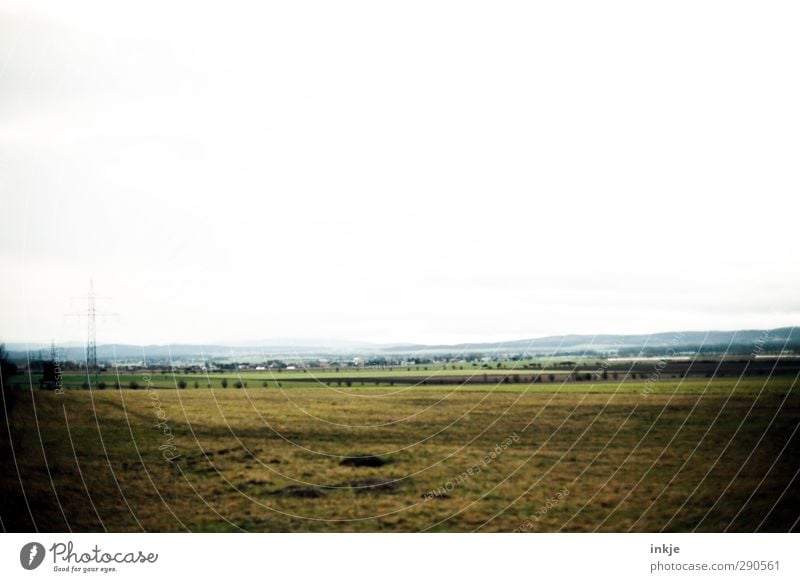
point(8, 399)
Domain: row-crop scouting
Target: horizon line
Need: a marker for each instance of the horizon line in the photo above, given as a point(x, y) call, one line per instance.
point(322, 341)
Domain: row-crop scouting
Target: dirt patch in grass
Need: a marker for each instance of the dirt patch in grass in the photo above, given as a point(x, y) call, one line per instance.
point(363, 461)
point(435, 495)
point(303, 491)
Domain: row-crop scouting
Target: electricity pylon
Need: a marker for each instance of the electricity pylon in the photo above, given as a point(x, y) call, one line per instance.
point(91, 331)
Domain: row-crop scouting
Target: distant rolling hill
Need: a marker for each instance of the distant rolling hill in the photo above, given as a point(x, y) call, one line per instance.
point(737, 342)
point(788, 336)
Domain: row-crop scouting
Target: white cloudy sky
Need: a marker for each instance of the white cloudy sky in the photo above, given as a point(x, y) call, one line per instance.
point(405, 171)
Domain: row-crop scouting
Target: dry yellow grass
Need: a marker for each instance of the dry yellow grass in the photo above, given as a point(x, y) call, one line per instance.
point(265, 460)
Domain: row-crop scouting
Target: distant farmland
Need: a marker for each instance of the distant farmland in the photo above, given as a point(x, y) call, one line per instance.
point(679, 454)
point(496, 374)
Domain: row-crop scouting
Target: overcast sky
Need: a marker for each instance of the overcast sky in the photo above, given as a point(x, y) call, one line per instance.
point(398, 171)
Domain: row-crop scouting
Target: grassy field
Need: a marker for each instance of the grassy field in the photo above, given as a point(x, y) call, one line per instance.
point(162, 379)
point(554, 379)
point(335, 381)
point(705, 455)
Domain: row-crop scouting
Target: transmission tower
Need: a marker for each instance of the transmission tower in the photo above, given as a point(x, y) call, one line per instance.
point(91, 331)
point(91, 337)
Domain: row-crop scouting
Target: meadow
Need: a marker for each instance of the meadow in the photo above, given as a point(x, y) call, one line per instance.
point(690, 455)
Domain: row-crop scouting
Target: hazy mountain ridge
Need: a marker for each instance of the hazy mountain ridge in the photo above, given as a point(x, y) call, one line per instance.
point(779, 338)
point(611, 341)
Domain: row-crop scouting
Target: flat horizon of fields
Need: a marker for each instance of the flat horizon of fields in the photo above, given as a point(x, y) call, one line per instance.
point(536, 374)
point(687, 454)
